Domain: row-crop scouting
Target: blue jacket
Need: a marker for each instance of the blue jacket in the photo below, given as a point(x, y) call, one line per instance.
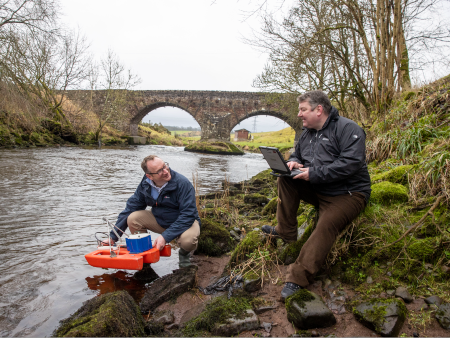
point(175, 208)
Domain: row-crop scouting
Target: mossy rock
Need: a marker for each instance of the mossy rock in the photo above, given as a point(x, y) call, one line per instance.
point(290, 253)
point(249, 244)
point(396, 175)
point(423, 249)
point(110, 315)
point(257, 199)
point(384, 316)
point(271, 207)
point(220, 148)
point(217, 312)
point(214, 239)
point(387, 193)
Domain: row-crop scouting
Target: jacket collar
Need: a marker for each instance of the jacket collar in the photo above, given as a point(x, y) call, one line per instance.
point(171, 185)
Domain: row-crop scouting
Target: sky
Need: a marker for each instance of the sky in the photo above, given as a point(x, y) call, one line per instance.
point(176, 45)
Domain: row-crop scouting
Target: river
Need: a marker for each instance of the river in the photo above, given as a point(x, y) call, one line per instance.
point(52, 201)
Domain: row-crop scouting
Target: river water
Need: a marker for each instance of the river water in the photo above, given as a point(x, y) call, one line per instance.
point(52, 201)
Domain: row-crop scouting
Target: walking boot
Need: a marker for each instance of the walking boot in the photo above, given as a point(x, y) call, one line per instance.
point(185, 258)
point(289, 289)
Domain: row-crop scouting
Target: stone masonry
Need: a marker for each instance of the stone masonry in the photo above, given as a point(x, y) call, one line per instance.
point(216, 112)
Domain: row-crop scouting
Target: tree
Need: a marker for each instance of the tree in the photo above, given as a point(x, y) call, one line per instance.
point(349, 48)
point(116, 81)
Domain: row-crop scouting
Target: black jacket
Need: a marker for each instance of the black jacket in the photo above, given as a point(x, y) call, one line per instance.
point(336, 156)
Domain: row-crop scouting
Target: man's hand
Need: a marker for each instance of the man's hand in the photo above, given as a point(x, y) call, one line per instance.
point(304, 175)
point(107, 242)
point(294, 165)
point(160, 243)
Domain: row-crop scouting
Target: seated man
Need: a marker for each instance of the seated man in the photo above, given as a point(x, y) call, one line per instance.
point(331, 150)
point(174, 211)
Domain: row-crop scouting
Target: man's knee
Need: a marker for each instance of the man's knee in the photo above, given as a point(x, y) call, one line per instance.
point(188, 240)
point(134, 221)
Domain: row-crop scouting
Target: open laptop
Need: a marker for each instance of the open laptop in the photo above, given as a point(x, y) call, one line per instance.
point(277, 163)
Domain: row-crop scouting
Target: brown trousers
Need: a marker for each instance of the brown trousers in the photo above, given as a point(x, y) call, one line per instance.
point(335, 213)
point(143, 220)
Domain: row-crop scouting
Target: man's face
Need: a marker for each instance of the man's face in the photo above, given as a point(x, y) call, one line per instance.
point(157, 165)
point(311, 117)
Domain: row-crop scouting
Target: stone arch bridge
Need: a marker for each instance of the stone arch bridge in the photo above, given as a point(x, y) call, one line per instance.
point(217, 112)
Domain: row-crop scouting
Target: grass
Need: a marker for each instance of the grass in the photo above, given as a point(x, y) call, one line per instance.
point(281, 139)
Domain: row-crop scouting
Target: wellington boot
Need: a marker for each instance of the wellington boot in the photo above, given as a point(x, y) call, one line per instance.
point(185, 258)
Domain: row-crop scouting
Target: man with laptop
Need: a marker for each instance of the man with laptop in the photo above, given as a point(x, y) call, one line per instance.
point(333, 176)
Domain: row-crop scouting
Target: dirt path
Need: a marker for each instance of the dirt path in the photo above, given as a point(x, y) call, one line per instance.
point(192, 303)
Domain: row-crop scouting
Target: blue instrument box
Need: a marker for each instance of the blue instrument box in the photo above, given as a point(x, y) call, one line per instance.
point(138, 243)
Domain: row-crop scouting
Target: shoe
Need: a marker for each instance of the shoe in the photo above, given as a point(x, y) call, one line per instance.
point(270, 230)
point(289, 289)
point(184, 257)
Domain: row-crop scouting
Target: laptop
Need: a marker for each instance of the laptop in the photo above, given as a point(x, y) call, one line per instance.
point(277, 163)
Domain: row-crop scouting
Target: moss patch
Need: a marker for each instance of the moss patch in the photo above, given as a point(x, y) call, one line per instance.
point(250, 243)
point(109, 315)
point(216, 312)
point(397, 175)
point(387, 193)
point(271, 207)
point(214, 239)
point(423, 249)
point(291, 252)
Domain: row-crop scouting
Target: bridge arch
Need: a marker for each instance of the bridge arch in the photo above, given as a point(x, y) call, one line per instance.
point(134, 121)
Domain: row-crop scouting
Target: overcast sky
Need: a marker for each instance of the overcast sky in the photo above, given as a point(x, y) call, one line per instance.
point(176, 45)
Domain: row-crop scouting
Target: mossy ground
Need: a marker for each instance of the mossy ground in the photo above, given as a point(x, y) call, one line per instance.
point(224, 148)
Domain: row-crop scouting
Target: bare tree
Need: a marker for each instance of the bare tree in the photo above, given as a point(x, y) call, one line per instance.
point(115, 81)
point(349, 48)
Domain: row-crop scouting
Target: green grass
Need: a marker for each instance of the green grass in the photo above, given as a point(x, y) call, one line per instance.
point(281, 139)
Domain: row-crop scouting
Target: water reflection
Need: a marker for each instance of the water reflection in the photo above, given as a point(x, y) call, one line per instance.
point(134, 283)
point(52, 202)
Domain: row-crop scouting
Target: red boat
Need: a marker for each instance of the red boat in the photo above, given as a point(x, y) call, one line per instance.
point(123, 259)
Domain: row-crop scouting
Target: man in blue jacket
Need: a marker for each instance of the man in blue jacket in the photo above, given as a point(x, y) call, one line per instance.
point(173, 211)
point(331, 155)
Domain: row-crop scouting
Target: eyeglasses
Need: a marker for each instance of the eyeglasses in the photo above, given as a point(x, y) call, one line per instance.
point(160, 171)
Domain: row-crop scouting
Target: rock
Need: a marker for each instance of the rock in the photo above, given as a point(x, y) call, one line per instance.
point(327, 284)
point(192, 312)
point(386, 317)
point(235, 235)
point(173, 326)
point(168, 287)
point(237, 230)
point(108, 315)
point(445, 269)
point(387, 193)
point(443, 315)
point(236, 325)
point(164, 317)
point(314, 333)
point(147, 274)
point(263, 307)
point(403, 293)
point(267, 327)
point(252, 283)
point(257, 199)
point(154, 329)
point(389, 274)
point(214, 239)
point(369, 280)
point(306, 310)
point(271, 207)
point(265, 334)
point(433, 300)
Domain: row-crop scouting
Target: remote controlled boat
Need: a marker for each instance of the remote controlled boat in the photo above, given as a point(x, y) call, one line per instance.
point(130, 255)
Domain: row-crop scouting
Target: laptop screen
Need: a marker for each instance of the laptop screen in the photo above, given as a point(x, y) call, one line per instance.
point(274, 159)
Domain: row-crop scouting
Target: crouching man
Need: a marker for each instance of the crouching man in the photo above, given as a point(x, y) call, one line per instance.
point(174, 212)
point(334, 178)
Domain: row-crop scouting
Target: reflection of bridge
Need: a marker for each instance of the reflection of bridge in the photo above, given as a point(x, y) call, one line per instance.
point(216, 112)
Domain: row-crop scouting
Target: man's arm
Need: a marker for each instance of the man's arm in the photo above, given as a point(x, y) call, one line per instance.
point(188, 211)
point(350, 160)
point(135, 202)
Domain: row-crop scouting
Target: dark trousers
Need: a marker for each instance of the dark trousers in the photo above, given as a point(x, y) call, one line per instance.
point(335, 213)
